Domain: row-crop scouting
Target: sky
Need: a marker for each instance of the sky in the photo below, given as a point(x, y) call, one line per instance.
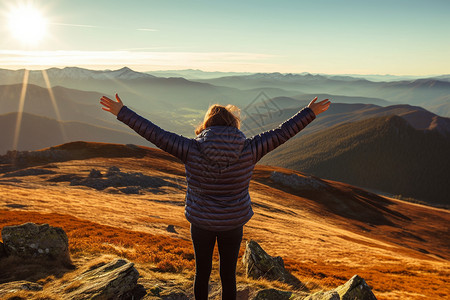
point(398, 37)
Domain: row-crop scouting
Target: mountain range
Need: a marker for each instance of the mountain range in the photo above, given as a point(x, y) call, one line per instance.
point(70, 111)
point(149, 92)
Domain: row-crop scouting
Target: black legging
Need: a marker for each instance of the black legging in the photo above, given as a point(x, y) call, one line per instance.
point(228, 243)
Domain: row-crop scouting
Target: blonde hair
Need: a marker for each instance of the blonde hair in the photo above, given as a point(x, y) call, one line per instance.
point(219, 115)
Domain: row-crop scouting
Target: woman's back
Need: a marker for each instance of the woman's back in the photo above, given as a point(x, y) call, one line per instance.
point(219, 163)
point(218, 171)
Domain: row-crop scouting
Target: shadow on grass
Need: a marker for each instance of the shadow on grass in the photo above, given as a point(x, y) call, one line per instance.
point(35, 270)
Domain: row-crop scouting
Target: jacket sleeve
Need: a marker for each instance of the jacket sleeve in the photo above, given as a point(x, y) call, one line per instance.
point(267, 141)
point(172, 143)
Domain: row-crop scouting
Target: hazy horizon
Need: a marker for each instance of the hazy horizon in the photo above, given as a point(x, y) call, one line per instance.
point(115, 68)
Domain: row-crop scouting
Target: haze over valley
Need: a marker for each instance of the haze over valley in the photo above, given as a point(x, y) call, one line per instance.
point(61, 105)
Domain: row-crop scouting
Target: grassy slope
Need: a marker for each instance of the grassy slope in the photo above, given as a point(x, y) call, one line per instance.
point(381, 153)
point(324, 237)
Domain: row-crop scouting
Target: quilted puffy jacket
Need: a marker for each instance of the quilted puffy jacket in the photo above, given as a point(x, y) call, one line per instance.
point(219, 164)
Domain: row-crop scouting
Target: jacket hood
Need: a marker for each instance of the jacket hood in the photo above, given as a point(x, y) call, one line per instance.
point(221, 144)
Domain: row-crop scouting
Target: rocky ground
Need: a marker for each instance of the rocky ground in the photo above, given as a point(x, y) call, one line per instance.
point(325, 231)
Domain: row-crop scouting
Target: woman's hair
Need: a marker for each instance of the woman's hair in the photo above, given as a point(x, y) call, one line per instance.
point(219, 115)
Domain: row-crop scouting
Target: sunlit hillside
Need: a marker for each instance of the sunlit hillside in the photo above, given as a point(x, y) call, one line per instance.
point(325, 235)
point(384, 153)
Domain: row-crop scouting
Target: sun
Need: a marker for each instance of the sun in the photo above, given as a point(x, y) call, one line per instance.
point(27, 24)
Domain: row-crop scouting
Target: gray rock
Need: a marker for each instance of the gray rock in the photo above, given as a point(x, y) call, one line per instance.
point(95, 174)
point(130, 190)
point(16, 286)
point(258, 263)
point(272, 294)
point(167, 293)
point(242, 293)
point(30, 240)
point(329, 295)
point(2, 250)
point(298, 182)
point(355, 289)
point(64, 178)
point(131, 183)
point(171, 228)
point(112, 171)
point(114, 280)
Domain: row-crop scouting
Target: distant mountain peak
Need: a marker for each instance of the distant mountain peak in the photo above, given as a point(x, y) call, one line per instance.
point(80, 73)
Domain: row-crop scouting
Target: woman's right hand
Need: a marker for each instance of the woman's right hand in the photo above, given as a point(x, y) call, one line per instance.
point(111, 105)
point(319, 107)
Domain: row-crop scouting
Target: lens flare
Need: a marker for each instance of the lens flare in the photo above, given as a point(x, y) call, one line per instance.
point(27, 24)
point(55, 106)
point(23, 93)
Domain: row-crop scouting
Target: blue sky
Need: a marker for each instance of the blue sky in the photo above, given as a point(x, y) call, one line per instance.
point(337, 37)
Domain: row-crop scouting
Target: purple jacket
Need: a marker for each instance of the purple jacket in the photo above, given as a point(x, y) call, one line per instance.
point(219, 164)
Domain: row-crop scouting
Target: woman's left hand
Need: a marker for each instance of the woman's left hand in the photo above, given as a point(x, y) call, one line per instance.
point(320, 106)
point(111, 105)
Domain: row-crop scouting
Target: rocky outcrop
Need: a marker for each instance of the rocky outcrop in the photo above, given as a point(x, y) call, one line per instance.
point(167, 293)
point(354, 289)
point(298, 182)
point(114, 280)
point(171, 228)
point(329, 295)
point(2, 250)
point(272, 294)
point(259, 264)
point(115, 181)
point(30, 240)
point(242, 292)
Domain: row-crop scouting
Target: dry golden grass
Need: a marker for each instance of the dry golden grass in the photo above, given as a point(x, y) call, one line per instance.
point(403, 258)
point(88, 238)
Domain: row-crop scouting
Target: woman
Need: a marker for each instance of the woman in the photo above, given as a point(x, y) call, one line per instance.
point(219, 163)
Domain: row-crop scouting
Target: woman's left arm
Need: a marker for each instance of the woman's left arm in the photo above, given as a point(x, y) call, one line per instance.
point(170, 142)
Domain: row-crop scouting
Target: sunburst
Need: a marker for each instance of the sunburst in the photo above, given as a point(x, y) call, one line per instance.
point(27, 24)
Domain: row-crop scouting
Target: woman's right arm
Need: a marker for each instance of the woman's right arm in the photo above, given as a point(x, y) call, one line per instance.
point(267, 141)
point(172, 143)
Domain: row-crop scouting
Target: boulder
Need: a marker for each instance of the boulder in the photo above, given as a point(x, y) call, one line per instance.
point(272, 294)
point(2, 250)
point(112, 171)
point(114, 280)
point(242, 292)
point(30, 240)
point(171, 228)
point(329, 295)
point(355, 288)
point(167, 293)
point(258, 263)
point(94, 173)
point(16, 286)
point(128, 183)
